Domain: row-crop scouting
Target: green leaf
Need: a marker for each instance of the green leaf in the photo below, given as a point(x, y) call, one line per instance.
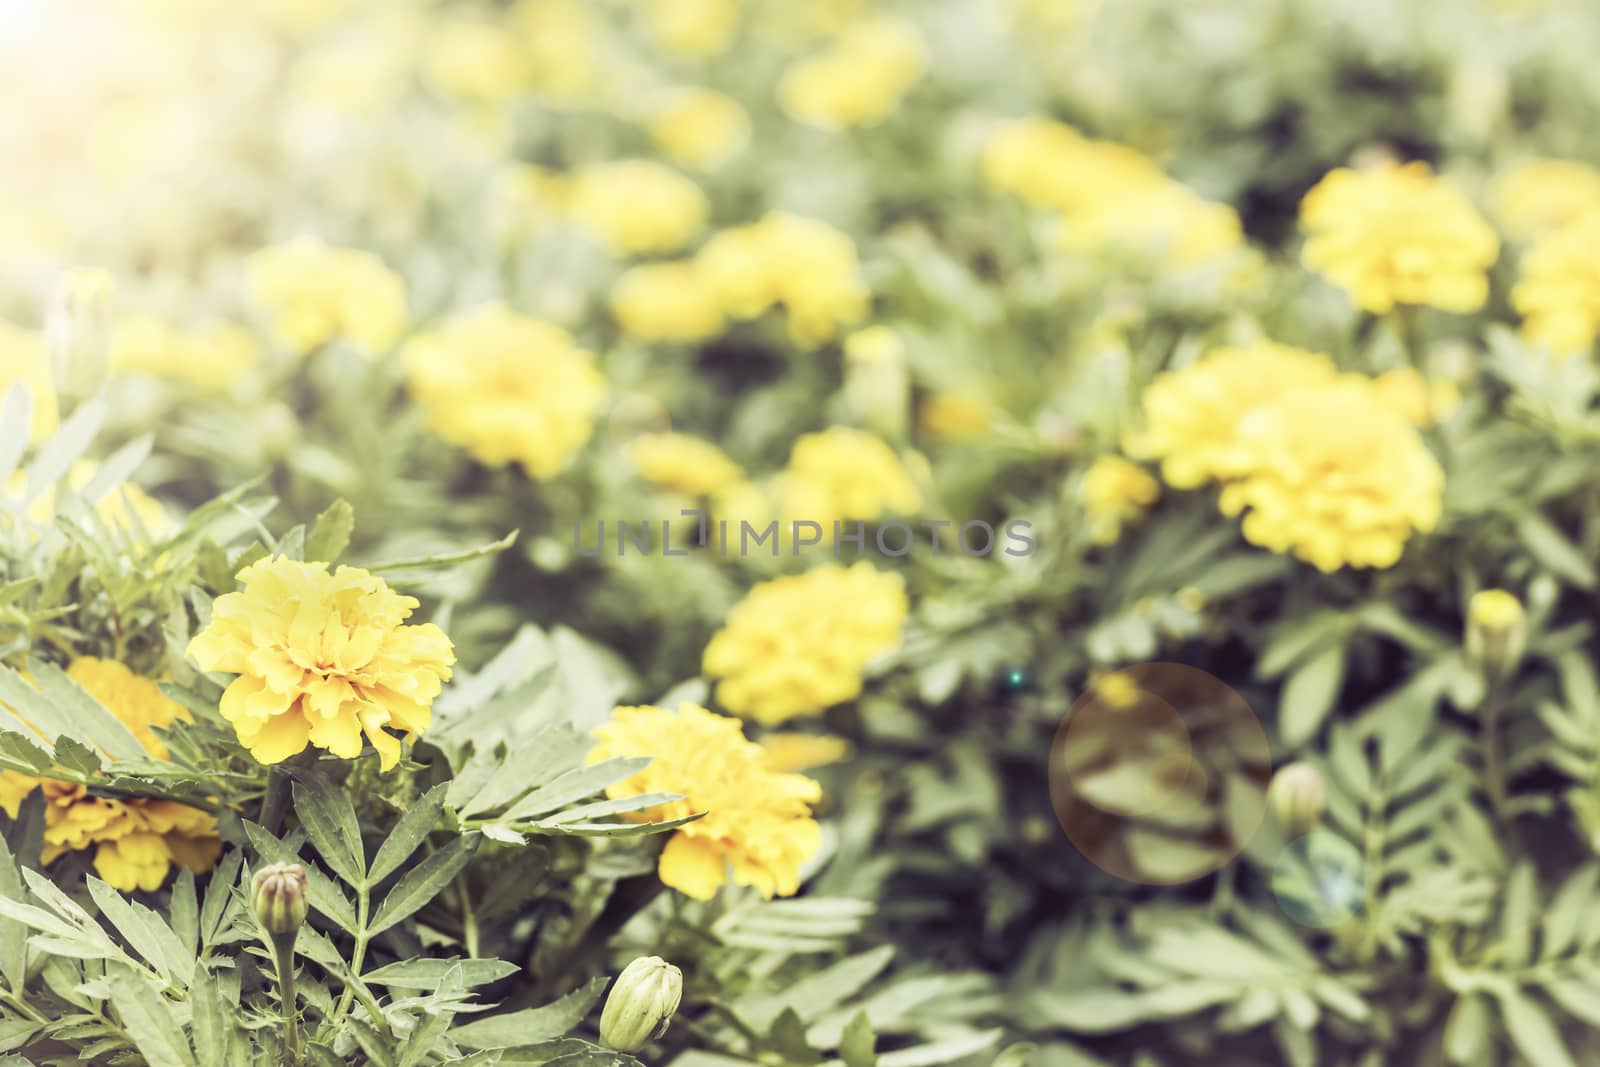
point(533, 1024)
point(425, 973)
point(330, 534)
point(149, 1020)
point(1309, 695)
point(1532, 1030)
point(574, 785)
point(447, 559)
point(211, 1023)
point(89, 720)
point(145, 931)
point(331, 823)
point(424, 882)
point(945, 1050)
point(68, 445)
point(1551, 548)
point(16, 423)
point(857, 1048)
point(321, 892)
point(13, 936)
point(409, 831)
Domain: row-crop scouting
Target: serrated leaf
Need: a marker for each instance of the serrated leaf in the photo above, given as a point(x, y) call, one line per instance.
point(330, 533)
point(330, 821)
point(409, 831)
point(424, 882)
point(1532, 1030)
point(532, 1025)
point(1309, 695)
point(149, 1020)
point(857, 1047)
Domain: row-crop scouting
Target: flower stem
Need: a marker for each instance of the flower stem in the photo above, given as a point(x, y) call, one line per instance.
point(275, 801)
point(283, 953)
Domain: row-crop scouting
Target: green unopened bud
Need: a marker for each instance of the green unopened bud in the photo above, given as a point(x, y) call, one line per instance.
point(641, 1003)
point(78, 332)
point(278, 897)
point(1497, 631)
point(1297, 798)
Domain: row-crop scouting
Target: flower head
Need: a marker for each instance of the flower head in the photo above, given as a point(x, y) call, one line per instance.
point(314, 293)
point(860, 79)
point(637, 207)
point(1398, 235)
point(701, 128)
point(278, 898)
point(801, 643)
point(1115, 493)
point(691, 29)
point(686, 464)
point(757, 822)
point(211, 357)
point(641, 1004)
point(845, 473)
point(1559, 291)
point(806, 266)
point(507, 388)
point(323, 659)
point(1546, 194)
point(666, 302)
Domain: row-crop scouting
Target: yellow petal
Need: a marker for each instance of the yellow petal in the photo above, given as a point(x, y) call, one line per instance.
point(692, 866)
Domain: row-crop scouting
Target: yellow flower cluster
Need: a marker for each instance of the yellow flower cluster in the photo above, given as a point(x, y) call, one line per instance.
point(669, 301)
point(845, 473)
point(1558, 294)
point(1108, 196)
point(860, 79)
point(757, 821)
point(691, 29)
point(1115, 493)
point(1545, 194)
point(545, 47)
point(800, 644)
point(506, 388)
point(1396, 234)
point(315, 293)
point(212, 357)
point(701, 128)
point(684, 464)
point(637, 207)
point(323, 659)
point(806, 266)
point(136, 840)
point(1328, 466)
point(23, 362)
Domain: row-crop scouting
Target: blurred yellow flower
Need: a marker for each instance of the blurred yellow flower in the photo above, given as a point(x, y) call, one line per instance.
point(844, 473)
point(23, 362)
point(1331, 475)
point(637, 207)
point(701, 128)
point(860, 79)
point(1558, 294)
point(757, 820)
point(1396, 234)
point(475, 60)
point(323, 659)
point(666, 302)
point(691, 29)
point(1191, 416)
point(807, 266)
point(212, 357)
point(136, 840)
point(506, 388)
point(125, 506)
point(1541, 195)
point(685, 464)
point(955, 416)
point(562, 39)
point(799, 644)
point(1115, 493)
point(1411, 396)
point(791, 752)
point(314, 293)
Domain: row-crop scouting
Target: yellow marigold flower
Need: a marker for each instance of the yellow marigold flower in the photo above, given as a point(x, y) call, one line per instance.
point(685, 464)
point(23, 361)
point(125, 506)
point(956, 416)
point(807, 266)
point(314, 293)
point(562, 40)
point(323, 659)
point(1558, 294)
point(136, 840)
point(701, 128)
point(845, 473)
point(1191, 415)
point(1162, 221)
point(799, 644)
point(860, 79)
point(1115, 493)
point(475, 60)
point(1331, 475)
point(212, 357)
point(667, 302)
point(1411, 396)
point(637, 207)
point(1052, 165)
point(1398, 235)
point(1545, 194)
point(758, 821)
point(691, 29)
point(506, 388)
point(789, 752)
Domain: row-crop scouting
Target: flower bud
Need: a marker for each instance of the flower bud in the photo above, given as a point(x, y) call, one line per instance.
point(278, 897)
point(641, 1003)
point(78, 332)
point(1497, 631)
point(1297, 798)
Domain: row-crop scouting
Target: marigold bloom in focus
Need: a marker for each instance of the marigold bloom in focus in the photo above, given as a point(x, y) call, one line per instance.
point(136, 840)
point(1545, 194)
point(1558, 294)
point(314, 293)
point(860, 79)
point(1115, 493)
point(323, 659)
point(23, 361)
point(637, 207)
point(688, 465)
point(758, 821)
point(666, 302)
point(1398, 235)
point(801, 643)
point(701, 128)
point(845, 473)
point(807, 266)
point(1190, 415)
point(212, 357)
point(507, 388)
point(1331, 475)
